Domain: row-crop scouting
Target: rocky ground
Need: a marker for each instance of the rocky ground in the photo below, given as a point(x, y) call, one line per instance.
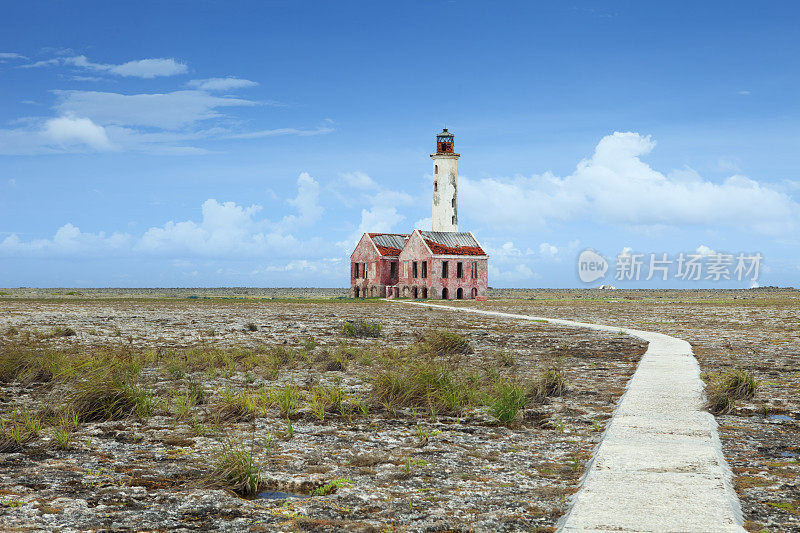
point(754, 330)
point(322, 420)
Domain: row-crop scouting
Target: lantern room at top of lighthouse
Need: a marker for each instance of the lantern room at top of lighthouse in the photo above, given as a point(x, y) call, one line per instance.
point(444, 142)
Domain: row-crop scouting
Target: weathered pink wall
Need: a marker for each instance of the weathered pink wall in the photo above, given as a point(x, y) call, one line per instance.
point(416, 250)
point(373, 285)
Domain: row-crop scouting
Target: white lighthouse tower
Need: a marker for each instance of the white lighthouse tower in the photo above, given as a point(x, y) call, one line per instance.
point(445, 184)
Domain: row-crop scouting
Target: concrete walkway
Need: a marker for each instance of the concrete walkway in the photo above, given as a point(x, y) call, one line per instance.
point(659, 465)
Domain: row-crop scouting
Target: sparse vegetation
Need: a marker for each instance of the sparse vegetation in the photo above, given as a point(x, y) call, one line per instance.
point(551, 382)
point(507, 399)
point(361, 328)
point(59, 332)
point(236, 468)
point(287, 398)
point(723, 389)
point(442, 343)
point(330, 487)
point(430, 385)
point(316, 390)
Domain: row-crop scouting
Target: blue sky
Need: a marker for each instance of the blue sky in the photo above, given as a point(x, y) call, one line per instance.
point(250, 143)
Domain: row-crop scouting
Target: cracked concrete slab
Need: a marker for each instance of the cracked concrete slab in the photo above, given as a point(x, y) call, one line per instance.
point(659, 465)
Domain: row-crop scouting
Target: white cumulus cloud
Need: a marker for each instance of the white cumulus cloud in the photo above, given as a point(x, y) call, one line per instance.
point(548, 250)
point(225, 230)
point(306, 202)
point(615, 186)
point(358, 180)
point(68, 240)
point(73, 130)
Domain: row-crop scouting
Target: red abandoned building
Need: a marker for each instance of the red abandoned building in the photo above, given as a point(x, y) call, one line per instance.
point(442, 264)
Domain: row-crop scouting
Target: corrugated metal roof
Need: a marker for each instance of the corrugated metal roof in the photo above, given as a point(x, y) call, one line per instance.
point(389, 243)
point(452, 243)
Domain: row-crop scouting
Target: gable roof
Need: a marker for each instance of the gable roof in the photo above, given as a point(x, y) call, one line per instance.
point(451, 243)
point(389, 243)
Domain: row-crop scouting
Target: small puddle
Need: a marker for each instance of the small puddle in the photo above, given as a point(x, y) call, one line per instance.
point(279, 495)
point(780, 417)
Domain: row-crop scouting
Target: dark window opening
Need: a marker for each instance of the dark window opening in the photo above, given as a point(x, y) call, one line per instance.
point(414, 269)
point(424, 269)
point(356, 292)
point(444, 269)
point(474, 293)
point(459, 294)
point(415, 293)
point(435, 169)
point(355, 272)
point(453, 201)
point(393, 270)
point(454, 220)
point(444, 294)
point(435, 186)
point(424, 292)
point(459, 270)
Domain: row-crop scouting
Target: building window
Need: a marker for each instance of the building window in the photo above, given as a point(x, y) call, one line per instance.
point(435, 186)
point(444, 268)
point(459, 270)
point(405, 269)
point(454, 220)
point(424, 269)
point(435, 169)
point(355, 271)
point(453, 201)
point(474, 270)
point(414, 269)
point(393, 269)
point(364, 270)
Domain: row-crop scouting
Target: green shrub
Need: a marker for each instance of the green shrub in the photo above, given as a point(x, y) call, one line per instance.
point(240, 405)
point(20, 429)
point(236, 468)
point(330, 487)
point(287, 398)
point(110, 393)
point(507, 398)
point(422, 384)
point(361, 328)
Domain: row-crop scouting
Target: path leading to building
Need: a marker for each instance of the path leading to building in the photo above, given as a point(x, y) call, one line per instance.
point(659, 465)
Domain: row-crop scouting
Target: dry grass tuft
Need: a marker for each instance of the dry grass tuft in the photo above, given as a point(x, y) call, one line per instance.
point(723, 389)
point(236, 468)
point(551, 382)
point(361, 328)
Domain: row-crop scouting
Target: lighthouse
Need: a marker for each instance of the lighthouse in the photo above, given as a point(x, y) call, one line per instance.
point(445, 184)
point(441, 264)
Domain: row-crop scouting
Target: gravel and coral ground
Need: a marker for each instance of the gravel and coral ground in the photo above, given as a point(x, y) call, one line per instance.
point(757, 331)
point(159, 413)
